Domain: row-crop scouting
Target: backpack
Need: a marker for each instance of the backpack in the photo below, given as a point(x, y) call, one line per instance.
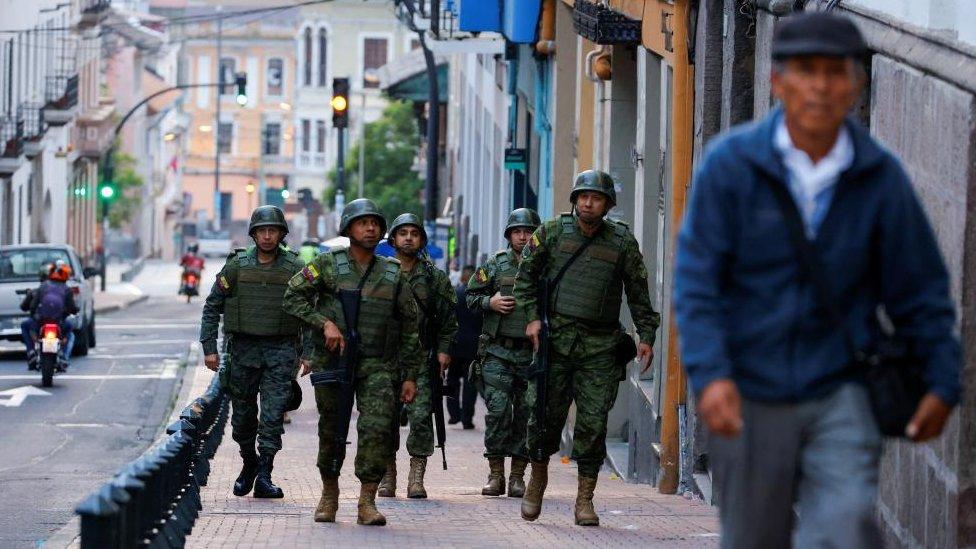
point(51, 300)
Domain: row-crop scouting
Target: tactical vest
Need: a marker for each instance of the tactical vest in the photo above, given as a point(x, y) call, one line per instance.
point(420, 287)
point(378, 323)
point(513, 324)
point(592, 288)
point(255, 308)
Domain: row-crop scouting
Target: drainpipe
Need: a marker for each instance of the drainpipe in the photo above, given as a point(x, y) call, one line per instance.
point(598, 71)
point(546, 45)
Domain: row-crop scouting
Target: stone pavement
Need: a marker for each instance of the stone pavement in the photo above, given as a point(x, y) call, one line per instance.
point(455, 515)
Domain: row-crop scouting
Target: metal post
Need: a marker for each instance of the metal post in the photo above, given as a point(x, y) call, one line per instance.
point(262, 182)
point(433, 132)
point(102, 259)
point(216, 127)
point(362, 144)
point(341, 161)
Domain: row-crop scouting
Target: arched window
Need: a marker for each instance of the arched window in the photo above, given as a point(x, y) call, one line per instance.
point(307, 72)
point(323, 56)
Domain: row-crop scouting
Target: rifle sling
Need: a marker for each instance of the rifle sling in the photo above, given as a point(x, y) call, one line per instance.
point(554, 282)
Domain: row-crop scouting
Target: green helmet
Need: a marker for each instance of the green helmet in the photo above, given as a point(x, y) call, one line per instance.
point(522, 217)
point(361, 207)
point(408, 219)
point(596, 181)
point(263, 216)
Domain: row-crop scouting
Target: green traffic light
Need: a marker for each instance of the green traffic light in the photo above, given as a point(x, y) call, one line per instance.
point(241, 99)
point(285, 194)
point(107, 192)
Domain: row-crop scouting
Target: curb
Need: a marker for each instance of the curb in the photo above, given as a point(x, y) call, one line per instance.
point(120, 306)
point(134, 270)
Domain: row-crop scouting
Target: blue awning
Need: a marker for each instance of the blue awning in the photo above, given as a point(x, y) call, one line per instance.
point(520, 20)
point(480, 15)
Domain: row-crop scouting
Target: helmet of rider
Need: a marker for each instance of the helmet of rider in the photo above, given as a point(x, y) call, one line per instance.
point(45, 271)
point(61, 271)
point(193, 248)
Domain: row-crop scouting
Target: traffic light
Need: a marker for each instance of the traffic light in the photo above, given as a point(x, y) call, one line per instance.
point(340, 102)
point(240, 80)
point(107, 191)
point(285, 193)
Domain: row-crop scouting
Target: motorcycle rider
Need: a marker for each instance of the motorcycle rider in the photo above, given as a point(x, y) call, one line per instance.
point(191, 261)
point(52, 301)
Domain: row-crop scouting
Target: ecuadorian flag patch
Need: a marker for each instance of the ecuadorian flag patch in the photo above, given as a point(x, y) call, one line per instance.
point(223, 284)
point(310, 272)
point(482, 275)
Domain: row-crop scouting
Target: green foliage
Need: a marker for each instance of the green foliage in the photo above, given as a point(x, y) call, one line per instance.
point(391, 146)
point(128, 186)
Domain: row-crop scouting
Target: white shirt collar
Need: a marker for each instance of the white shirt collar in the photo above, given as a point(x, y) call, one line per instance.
point(814, 178)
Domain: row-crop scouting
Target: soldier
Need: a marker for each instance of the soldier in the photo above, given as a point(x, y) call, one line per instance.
point(585, 331)
point(261, 344)
point(388, 333)
point(432, 290)
point(504, 368)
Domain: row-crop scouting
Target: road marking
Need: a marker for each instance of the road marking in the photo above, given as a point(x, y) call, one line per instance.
point(141, 341)
point(81, 425)
point(147, 326)
point(19, 395)
point(137, 355)
point(169, 371)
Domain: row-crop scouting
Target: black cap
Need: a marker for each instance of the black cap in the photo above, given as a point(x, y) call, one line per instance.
point(817, 33)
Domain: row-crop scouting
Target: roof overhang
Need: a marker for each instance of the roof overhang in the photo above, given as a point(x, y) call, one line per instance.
point(406, 78)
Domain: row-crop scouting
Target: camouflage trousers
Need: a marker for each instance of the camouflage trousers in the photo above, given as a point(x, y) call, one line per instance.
point(420, 440)
point(592, 383)
point(509, 397)
point(259, 368)
point(376, 394)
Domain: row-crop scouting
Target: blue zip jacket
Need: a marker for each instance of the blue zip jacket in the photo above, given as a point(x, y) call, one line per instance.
point(746, 312)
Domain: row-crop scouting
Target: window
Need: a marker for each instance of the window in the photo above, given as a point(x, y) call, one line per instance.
point(225, 136)
point(306, 135)
point(320, 136)
point(228, 67)
point(272, 139)
point(374, 57)
point(276, 77)
point(414, 44)
point(307, 72)
point(323, 56)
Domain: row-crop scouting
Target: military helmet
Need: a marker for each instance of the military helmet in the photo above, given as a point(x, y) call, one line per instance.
point(522, 217)
point(361, 207)
point(596, 181)
point(264, 216)
point(408, 219)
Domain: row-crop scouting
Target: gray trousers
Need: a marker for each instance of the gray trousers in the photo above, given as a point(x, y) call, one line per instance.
point(818, 458)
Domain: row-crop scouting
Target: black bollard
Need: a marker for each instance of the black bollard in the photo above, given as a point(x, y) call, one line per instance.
point(99, 520)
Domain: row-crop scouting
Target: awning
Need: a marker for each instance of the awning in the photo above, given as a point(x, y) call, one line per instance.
point(406, 78)
point(152, 83)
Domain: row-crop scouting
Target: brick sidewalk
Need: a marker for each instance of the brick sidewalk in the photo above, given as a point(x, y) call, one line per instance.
point(456, 514)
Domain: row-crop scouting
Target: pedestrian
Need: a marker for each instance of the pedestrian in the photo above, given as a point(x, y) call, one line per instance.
point(462, 394)
point(597, 259)
point(261, 346)
point(504, 369)
point(436, 301)
point(388, 332)
point(795, 446)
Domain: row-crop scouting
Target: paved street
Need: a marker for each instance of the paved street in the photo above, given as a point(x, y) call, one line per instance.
point(60, 444)
point(456, 515)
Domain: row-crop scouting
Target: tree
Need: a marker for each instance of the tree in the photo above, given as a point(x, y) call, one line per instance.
point(128, 185)
point(391, 147)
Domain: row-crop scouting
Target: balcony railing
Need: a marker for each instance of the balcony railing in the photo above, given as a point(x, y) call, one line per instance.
point(61, 91)
point(11, 137)
point(31, 115)
point(94, 6)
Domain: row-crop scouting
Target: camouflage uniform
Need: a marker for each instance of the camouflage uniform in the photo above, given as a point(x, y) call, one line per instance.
point(420, 440)
point(582, 367)
point(394, 347)
point(503, 372)
point(255, 364)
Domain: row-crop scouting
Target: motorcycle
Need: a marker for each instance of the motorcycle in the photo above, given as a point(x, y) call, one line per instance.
point(190, 285)
point(47, 347)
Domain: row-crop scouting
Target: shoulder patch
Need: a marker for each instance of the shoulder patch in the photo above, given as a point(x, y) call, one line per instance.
point(482, 275)
point(310, 273)
point(222, 283)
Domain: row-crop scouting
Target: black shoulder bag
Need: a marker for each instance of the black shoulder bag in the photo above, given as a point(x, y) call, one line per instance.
point(892, 374)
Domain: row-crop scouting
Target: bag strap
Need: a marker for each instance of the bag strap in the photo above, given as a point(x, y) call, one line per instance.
point(810, 259)
point(579, 251)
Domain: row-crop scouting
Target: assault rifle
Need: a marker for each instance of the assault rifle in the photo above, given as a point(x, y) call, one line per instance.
point(434, 367)
point(344, 377)
point(540, 371)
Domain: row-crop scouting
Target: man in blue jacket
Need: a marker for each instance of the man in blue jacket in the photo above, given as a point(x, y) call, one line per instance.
point(791, 426)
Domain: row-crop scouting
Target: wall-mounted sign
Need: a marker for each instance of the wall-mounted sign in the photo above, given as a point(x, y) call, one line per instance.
point(515, 159)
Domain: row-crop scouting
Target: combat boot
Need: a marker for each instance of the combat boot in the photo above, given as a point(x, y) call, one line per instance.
point(532, 500)
point(388, 484)
point(245, 480)
point(368, 514)
point(329, 502)
point(415, 480)
point(496, 477)
point(516, 479)
point(263, 487)
point(585, 514)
